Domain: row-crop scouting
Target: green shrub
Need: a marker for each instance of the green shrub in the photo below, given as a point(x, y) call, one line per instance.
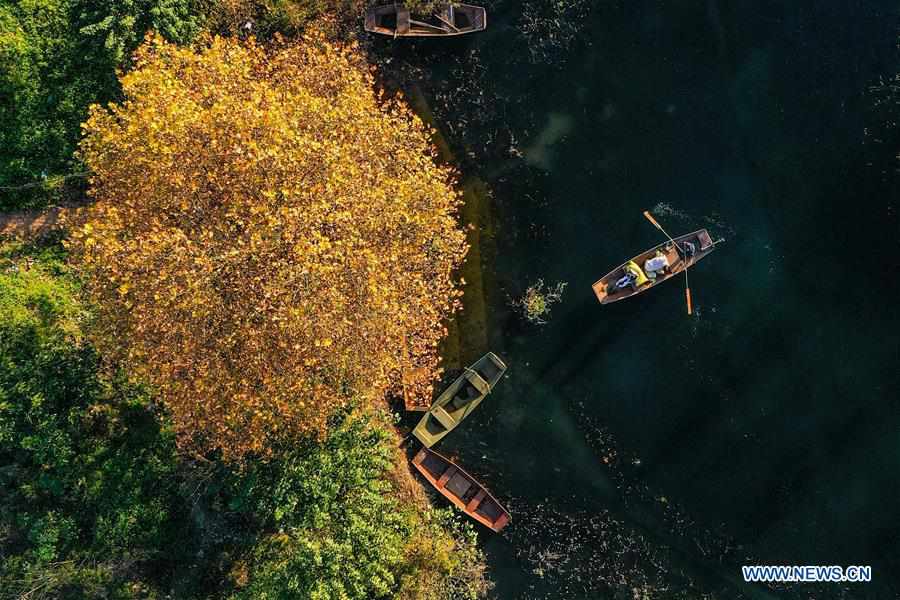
point(89, 475)
point(56, 58)
point(96, 502)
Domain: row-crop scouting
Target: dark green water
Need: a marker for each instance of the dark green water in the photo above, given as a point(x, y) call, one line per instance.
point(645, 453)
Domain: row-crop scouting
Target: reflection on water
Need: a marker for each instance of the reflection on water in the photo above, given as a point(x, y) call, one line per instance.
point(539, 151)
point(643, 453)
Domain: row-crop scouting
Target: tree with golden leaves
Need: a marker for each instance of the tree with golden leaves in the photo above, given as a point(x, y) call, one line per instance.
point(269, 237)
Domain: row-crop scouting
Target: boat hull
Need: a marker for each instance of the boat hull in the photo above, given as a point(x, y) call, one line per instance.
point(459, 400)
point(395, 20)
point(461, 489)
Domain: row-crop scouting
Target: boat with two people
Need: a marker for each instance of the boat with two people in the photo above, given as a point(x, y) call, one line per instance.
point(652, 267)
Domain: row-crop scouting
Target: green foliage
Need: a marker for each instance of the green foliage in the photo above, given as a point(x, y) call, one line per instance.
point(334, 526)
point(293, 15)
point(88, 475)
point(56, 58)
point(122, 24)
point(445, 562)
point(95, 502)
point(339, 19)
point(36, 105)
point(337, 528)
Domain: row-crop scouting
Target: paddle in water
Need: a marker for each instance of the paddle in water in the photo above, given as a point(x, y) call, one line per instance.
point(687, 285)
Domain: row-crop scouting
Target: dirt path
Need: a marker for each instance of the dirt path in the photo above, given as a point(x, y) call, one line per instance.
point(28, 224)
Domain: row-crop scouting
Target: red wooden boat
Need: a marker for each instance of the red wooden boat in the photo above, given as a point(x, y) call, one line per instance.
point(461, 489)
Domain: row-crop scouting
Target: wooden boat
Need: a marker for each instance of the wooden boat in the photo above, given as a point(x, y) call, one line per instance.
point(606, 290)
point(446, 20)
point(461, 489)
point(459, 400)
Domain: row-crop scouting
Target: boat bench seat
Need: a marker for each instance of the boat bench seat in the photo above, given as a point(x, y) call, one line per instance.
point(476, 500)
point(445, 477)
point(443, 417)
point(479, 383)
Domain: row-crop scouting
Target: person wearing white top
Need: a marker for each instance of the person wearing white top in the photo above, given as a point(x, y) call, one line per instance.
point(656, 265)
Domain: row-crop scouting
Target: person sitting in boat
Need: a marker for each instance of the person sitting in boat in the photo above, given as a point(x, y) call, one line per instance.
point(634, 277)
point(688, 249)
point(626, 281)
point(656, 265)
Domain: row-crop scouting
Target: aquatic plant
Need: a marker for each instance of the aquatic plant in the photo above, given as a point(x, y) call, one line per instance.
point(535, 304)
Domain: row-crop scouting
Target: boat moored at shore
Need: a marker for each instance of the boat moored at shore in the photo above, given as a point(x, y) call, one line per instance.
point(446, 20)
point(461, 489)
point(460, 399)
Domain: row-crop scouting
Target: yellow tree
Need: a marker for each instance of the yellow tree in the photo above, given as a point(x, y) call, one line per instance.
point(269, 238)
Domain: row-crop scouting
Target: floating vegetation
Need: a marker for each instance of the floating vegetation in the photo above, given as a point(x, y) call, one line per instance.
point(468, 106)
point(717, 222)
point(535, 304)
point(627, 471)
point(885, 98)
point(551, 27)
point(592, 554)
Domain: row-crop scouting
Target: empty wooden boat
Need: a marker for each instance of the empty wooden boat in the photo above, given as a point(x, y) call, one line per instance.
point(461, 489)
point(446, 20)
point(459, 400)
point(690, 249)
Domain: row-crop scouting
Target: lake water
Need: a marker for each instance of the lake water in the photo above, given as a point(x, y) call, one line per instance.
point(645, 453)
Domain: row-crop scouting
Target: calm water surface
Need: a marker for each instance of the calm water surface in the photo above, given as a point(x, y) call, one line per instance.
point(645, 453)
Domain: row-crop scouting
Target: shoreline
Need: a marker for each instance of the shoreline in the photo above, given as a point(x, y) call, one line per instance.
point(467, 337)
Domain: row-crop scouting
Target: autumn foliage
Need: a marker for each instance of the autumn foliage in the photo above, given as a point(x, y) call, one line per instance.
point(269, 237)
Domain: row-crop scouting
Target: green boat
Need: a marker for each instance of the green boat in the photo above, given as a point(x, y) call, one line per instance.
point(460, 399)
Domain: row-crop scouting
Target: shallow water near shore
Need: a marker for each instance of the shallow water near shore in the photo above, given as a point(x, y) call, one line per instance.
point(643, 452)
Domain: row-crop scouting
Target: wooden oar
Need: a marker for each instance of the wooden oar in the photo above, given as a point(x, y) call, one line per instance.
point(687, 285)
point(426, 25)
point(446, 22)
